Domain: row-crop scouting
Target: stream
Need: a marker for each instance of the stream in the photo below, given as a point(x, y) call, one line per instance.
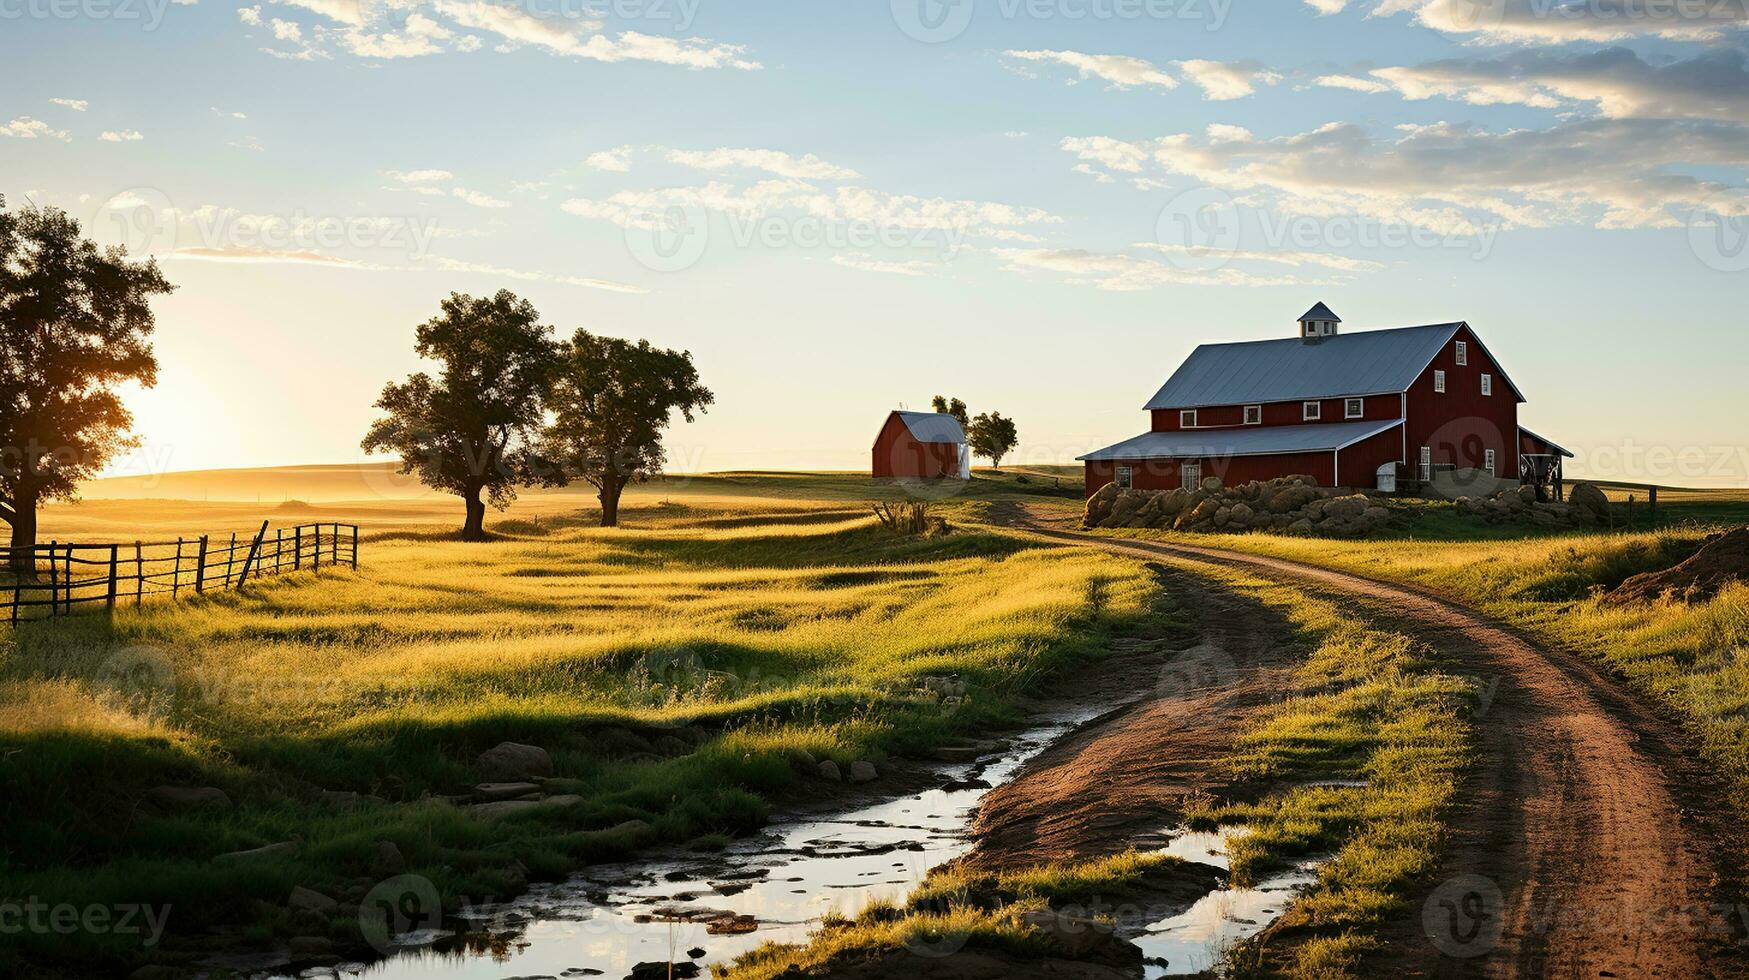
point(671, 905)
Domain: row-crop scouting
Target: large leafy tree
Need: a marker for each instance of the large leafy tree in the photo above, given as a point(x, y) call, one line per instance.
point(75, 322)
point(610, 402)
point(992, 437)
point(950, 406)
point(470, 430)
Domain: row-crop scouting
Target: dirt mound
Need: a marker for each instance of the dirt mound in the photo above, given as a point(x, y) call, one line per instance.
point(1722, 560)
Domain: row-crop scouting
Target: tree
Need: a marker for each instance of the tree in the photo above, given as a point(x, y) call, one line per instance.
point(992, 437)
point(955, 408)
point(470, 431)
point(75, 322)
point(610, 402)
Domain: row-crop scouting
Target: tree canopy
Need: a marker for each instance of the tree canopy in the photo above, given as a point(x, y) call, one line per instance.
point(471, 430)
point(953, 407)
point(75, 322)
point(992, 437)
point(610, 401)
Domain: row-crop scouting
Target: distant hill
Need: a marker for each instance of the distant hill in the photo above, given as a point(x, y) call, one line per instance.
point(268, 484)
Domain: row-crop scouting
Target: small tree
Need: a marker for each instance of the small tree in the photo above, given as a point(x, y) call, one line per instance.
point(74, 323)
point(954, 407)
point(992, 437)
point(470, 430)
point(611, 400)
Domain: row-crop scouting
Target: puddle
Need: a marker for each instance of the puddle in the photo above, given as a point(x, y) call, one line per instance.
point(608, 918)
point(1196, 939)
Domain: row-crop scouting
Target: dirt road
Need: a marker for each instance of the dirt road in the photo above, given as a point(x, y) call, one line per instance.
point(1580, 849)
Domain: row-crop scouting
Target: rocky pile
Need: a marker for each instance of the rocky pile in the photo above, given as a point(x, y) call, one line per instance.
point(1586, 506)
point(1722, 560)
point(1289, 503)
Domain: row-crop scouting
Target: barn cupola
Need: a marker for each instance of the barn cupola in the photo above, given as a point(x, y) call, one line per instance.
point(1318, 322)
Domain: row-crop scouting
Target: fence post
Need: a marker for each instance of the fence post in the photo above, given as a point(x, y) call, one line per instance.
point(139, 575)
point(335, 554)
point(200, 567)
point(176, 573)
point(114, 560)
point(297, 548)
point(355, 547)
point(230, 559)
point(316, 551)
point(254, 549)
point(1652, 505)
point(54, 580)
point(278, 548)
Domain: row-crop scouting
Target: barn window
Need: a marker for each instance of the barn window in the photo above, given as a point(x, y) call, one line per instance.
point(1426, 463)
point(1121, 477)
point(1310, 411)
point(1439, 381)
point(1253, 414)
point(1487, 384)
point(1488, 462)
point(1190, 476)
point(1187, 419)
point(1354, 408)
point(1463, 353)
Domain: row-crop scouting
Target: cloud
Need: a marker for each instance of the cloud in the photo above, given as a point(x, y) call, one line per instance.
point(1457, 178)
point(123, 136)
point(285, 30)
point(1546, 22)
point(77, 105)
point(776, 162)
point(1224, 80)
point(222, 112)
point(1122, 71)
point(1714, 84)
point(867, 263)
point(455, 265)
point(1120, 272)
point(617, 160)
point(1327, 7)
point(1352, 83)
point(253, 255)
point(577, 38)
point(250, 16)
point(478, 199)
point(1279, 257)
point(418, 176)
point(249, 143)
point(795, 198)
point(1113, 154)
point(349, 12)
point(26, 128)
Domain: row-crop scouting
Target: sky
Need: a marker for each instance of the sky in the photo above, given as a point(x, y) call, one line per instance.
point(1038, 206)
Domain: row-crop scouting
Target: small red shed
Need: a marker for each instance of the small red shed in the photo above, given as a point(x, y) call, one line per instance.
point(925, 445)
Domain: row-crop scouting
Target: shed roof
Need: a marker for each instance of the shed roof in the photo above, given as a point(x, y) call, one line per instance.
point(1547, 442)
point(1246, 441)
point(932, 426)
point(1370, 362)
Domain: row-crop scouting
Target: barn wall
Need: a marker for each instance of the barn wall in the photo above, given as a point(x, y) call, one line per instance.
point(1377, 408)
point(1360, 462)
point(1461, 424)
point(1162, 474)
point(897, 453)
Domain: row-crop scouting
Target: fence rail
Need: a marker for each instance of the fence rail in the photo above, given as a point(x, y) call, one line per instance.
point(81, 577)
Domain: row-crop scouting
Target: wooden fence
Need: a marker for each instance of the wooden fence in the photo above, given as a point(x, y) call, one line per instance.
point(79, 577)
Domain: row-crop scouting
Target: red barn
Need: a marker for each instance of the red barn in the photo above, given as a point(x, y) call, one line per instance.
point(927, 445)
point(1347, 409)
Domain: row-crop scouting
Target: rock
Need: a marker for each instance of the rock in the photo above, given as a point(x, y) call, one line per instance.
point(188, 797)
point(1223, 515)
point(828, 770)
point(1377, 516)
point(305, 947)
point(489, 792)
point(156, 971)
point(1075, 935)
point(731, 925)
point(1203, 511)
point(510, 762)
point(1301, 526)
point(389, 859)
point(695, 952)
point(341, 797)
point(669, 745)
point(310, 900)
point(266, 852)
point(1241, 514)
point(1527, 493)
point(801, 760)
point(505, 808)
point(684, 970)
point(1212, 484)
point(863, 772)
point(1587, 497)
point(1289, 499)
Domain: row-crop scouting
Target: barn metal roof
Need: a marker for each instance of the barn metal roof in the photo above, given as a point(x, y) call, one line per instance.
point(1547, 442)
point(933, 426)
point(1243, 441)
point(1320, 312)
point(1368, 362)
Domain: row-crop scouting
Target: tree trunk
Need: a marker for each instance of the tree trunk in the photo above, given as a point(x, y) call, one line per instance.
point(609, 497)
point(475, 528)
point(23, 562)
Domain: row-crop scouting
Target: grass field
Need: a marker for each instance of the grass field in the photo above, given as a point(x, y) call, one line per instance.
point(734, 623)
